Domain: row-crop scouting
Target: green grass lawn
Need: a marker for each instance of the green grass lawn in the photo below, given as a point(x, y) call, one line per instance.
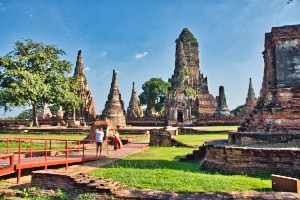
point(44, 136)
point(40, 144)
point(158, 168)
point(220, 128)
point(198, 140)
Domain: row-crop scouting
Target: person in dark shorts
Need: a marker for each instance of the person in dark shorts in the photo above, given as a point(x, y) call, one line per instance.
point(99, 140)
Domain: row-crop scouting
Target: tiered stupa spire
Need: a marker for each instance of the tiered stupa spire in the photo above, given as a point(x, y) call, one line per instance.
point(87, 111)
point(134, 110)
point(114, 106)
point(188, 97)
point(250, 100)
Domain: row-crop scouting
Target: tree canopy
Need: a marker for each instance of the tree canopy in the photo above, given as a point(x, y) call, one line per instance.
point(237, 110)
point(33, 74)
point(154, 94)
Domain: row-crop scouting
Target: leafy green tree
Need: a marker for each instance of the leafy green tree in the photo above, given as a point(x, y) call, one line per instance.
point(54, 108)
point(237, 110)
point(33, 74)
point(25, 114)
point(154, 94)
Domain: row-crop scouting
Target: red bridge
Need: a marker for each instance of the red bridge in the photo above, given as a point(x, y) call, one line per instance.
point(20, 153)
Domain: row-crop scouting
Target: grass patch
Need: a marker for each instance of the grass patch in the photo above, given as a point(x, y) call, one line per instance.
point(44, 136)
point(158, 168)
point(142, 139)
point(221, 128)
point(198, 140)
point(39, 144)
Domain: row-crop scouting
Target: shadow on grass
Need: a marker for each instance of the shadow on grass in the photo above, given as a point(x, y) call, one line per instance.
point(192, 167)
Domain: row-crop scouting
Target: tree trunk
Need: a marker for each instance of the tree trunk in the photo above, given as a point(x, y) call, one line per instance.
point(35, 122)
point(74, 114)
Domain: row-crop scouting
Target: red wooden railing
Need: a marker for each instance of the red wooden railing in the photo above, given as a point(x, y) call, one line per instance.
point(73, 150)
point(7, 167)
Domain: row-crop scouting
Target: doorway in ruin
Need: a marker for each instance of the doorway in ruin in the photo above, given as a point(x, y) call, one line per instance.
point(179, 116)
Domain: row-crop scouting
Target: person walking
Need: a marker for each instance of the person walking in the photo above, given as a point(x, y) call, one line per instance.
point(118, 143)
point(99, 140)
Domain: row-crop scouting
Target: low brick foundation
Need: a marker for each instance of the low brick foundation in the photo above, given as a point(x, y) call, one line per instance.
point(73, 182)
point(163, 138)
point(242, 138)
point(189, 131)
point(252, 161)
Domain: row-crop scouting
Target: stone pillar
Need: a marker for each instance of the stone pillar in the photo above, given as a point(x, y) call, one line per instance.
point(222, 109)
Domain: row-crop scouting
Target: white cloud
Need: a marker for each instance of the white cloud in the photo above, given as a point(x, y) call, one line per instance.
point(103, 54)
point(31, 16)
point(87, 68)
point(2, 7)
point(141, 55)
point(106, 72)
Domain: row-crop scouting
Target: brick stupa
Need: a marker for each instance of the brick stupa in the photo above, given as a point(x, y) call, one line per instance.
point(86, 112)
point(222, 108)
point(251, 101)
point(114, 106)
point(278, 107)
point(134, 110)
point(188, 97)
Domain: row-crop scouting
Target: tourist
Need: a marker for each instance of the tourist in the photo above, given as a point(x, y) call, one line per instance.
point(118, 143)
point(99, 140)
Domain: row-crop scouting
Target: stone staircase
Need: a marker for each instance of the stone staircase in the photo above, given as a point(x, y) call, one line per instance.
point(197, 155)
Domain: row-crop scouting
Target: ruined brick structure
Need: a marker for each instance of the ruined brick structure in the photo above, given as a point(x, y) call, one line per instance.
point(114, 106)
point(251, 101)
point(275, 120)
point(278, 107)
point(188, 97)
point(86, 112)
point(222, 108)
point(134, 110)
point(46, 113)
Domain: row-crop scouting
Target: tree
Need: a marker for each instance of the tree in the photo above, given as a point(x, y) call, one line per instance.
point(33, 74)
point(25, 114)
point(237, 110)
point(154, 94)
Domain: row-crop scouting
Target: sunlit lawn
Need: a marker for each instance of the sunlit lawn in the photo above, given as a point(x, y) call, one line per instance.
point(44, 136)
point(221, 128)
point(198, 140)
point(40, 144)
point(158, 168)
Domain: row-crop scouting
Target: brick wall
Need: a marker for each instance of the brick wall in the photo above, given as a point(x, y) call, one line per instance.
point(242, 138)
point(252, 161)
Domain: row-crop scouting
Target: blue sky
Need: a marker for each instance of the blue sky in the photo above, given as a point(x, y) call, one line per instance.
point(137, 38)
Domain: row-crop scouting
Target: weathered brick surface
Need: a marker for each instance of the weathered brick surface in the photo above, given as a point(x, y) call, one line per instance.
point(87, 111)
point(244, 138)
point(278, 107)
point(114, 106)
point(134, 110)
point(246, 160)
point(163, 137)
point(188, 95)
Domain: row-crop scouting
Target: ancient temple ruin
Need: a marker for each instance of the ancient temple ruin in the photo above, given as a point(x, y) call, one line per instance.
point(222, 108)
point(188, 97)
point(251, 101)
point(268, 140)
point(87, 112)
point(134, 110)
point(114, 106)
point(46, 112)
point(278, 107)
